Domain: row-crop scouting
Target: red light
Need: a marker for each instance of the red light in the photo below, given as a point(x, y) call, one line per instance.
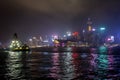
point(75, 34)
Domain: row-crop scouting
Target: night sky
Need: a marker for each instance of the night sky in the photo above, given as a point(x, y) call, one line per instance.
point(45, 17)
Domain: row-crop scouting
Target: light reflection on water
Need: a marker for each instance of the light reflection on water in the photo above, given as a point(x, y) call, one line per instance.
point(62, 66)
point(13, 65)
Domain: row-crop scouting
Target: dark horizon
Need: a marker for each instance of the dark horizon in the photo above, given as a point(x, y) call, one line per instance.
point(31, 18)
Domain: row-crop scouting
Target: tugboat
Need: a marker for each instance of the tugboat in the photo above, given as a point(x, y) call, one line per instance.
point(16, 45)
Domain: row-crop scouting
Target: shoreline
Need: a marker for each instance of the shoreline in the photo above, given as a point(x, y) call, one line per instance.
point(61, 49)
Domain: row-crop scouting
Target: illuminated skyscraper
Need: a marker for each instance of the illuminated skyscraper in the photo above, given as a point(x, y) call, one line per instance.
point(90, 34)
point(89, 23)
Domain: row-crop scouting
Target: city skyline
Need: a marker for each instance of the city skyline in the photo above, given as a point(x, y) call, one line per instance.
point(43, 17)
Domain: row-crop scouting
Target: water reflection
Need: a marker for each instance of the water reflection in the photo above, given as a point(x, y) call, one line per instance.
point(102, 65)
point(39, 64)
point(106, 66)
point(13, 65)
point(82, 65)
point(55, 69)
point(67, 69)
point(51, 65)
point(60, 66)
point(3, 71)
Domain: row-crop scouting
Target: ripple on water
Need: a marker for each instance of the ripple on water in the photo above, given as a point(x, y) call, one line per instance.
point(59, 66)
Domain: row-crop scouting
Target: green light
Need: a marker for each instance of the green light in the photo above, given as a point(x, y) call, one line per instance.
point(102, 49)
point(103, 64)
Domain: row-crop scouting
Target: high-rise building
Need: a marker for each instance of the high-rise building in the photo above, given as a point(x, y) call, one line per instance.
point(89, 25)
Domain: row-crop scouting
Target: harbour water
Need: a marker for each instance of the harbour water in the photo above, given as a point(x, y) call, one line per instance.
point(59, 66)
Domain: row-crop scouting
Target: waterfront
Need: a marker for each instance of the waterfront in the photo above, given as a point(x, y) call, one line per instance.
point(59, 66)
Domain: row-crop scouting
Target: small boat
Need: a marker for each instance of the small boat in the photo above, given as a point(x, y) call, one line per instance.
point(17, 45)
point(21, 48)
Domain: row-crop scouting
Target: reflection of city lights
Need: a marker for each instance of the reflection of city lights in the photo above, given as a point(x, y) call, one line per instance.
point(102, 64)
point(102, 49)
point(14, 65)
point(69, 49)
point(84, 55)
